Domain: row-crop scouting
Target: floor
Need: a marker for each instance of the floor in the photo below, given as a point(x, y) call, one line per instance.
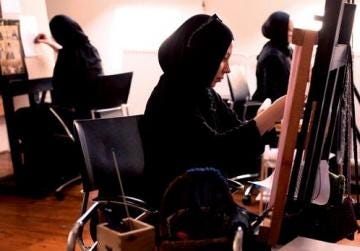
point(33, 224)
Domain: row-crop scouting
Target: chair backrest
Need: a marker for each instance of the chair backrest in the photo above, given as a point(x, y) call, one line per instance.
point(118, 111)
point(113, 90)
point(99, 138)
point(240, 95)
point(238, 86)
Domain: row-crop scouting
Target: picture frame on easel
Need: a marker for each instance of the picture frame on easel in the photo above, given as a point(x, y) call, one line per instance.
point(12, 63)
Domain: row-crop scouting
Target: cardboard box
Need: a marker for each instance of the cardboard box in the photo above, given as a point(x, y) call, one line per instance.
point(140, 237)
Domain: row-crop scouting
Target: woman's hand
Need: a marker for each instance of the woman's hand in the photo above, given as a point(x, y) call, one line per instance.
point(41, 38)
point(264, 106)
point(274, 113)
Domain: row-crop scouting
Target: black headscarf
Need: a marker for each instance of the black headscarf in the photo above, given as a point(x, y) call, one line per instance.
point(67, 32)
point(195, 50)
point(276, 28)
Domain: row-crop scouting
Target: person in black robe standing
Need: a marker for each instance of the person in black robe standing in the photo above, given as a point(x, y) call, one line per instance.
point(77, 65)
point(186, 123)
point(274, 60)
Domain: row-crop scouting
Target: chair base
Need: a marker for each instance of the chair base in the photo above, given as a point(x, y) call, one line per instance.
point(59, 191)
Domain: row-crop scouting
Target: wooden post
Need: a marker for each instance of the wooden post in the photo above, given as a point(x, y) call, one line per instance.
point(304, 41)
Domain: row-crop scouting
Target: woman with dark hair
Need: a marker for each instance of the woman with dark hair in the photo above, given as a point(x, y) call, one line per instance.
point(77, 65)
point(274, 60)
point(186, 123)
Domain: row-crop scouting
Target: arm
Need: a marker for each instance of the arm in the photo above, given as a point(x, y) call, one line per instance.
point(266, 120)
point(42, 38)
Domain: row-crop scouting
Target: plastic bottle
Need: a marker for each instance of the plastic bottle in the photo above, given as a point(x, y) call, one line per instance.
point(238, 240)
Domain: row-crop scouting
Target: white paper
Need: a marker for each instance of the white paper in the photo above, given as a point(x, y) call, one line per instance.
point(321, 193)
point(29, 30)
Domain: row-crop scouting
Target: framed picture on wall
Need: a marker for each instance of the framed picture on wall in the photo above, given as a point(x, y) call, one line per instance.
point(12, 62)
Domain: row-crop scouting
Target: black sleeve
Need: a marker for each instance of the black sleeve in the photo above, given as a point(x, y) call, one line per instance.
point(228, 150)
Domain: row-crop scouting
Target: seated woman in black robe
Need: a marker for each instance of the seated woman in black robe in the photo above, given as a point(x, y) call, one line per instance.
point(274, 60)
point(186, 123)
point(77, 65)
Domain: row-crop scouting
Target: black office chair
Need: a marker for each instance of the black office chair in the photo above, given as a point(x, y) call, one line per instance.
point(112, 147)
point(49, 152)
point(110, 95)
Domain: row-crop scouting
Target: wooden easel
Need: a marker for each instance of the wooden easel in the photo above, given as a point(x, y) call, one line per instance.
point(320, 110)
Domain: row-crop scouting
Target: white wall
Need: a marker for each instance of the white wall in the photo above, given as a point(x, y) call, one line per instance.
point(120, 28)
point(127, 33)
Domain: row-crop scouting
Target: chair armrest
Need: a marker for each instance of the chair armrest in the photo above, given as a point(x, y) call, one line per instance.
point(117, 111)
point(76, 233)
point(236, 183)
point(62, 124)
point(245, 177)
point(130, 202)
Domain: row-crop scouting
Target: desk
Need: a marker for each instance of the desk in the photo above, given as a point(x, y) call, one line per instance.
point(10, 88)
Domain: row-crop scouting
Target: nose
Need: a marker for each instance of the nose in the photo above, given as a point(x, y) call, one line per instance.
point(227, 68)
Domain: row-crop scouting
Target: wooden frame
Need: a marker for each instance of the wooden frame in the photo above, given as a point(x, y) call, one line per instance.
point(12, 63)
point(1, 107)
point(300, 69)
point(312, 143)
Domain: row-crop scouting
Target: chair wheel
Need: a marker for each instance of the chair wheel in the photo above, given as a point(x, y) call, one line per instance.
point(246, 200)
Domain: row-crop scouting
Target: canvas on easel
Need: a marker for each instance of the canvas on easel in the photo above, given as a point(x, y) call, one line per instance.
point(12, 62)
point(296, 172)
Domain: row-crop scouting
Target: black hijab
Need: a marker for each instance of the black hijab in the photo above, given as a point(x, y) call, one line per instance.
point(67, 32)
point(193, 53)
point(276, 28)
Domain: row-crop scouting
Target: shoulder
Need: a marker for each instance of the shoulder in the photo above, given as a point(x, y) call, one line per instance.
point(271, 53)
point(273, 57)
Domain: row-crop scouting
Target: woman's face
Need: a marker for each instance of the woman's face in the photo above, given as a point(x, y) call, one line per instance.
point(223, 67)
point(290, 31)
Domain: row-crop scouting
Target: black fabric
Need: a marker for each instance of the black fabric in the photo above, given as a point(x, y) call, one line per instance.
point(77, 65)
point(192, 54)
point(276, 27)
point(329, 223)
point(198, 204)
point(274, 60)
point(48, 155)
point(186, 123)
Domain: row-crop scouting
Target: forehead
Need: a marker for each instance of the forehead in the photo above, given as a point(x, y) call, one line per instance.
point(229, 50)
